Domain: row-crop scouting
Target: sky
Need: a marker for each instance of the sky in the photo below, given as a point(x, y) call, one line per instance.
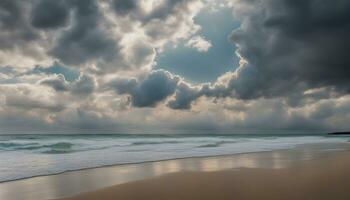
point(174, 66)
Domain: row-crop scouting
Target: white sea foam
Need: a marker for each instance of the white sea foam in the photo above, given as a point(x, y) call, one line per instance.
point(24, 156)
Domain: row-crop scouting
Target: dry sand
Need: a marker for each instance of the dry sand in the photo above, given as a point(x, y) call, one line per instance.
point(318, 179)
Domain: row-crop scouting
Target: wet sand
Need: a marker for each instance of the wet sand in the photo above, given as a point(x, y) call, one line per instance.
point(324, 177)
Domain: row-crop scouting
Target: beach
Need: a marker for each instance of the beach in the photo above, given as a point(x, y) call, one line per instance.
point(308, 171)
point(323, 178)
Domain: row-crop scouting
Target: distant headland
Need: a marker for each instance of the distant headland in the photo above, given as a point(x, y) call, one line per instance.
point(340, 133)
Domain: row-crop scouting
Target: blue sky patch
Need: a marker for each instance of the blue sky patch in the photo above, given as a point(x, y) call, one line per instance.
point(204, 66)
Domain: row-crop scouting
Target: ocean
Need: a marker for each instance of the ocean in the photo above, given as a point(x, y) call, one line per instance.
point(29, 155)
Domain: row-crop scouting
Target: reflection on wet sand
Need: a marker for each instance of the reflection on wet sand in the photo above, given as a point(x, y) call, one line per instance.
point(70, 183)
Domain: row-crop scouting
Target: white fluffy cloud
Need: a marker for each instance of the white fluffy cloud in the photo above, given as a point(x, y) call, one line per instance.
point(199, 43)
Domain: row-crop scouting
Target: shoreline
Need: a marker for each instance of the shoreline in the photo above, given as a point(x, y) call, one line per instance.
point(168, 159)
point(142, 162)
point(161, 160)
point(323, 178)
point(81, 181)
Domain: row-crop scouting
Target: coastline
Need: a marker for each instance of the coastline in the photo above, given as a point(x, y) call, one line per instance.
point(323, 178)
point(160, 160)
point(118, 162)
point(144, 162)
point(140, 163)
point(81, 181)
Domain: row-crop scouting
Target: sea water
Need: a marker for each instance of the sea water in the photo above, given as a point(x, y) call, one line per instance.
point(23, 156)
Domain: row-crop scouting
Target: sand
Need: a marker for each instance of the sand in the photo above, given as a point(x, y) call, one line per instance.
point(324, 178)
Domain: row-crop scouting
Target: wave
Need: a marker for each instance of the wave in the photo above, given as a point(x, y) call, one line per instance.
point(15, 145)
point(56, 148)
point(58, 151)
point(160, 142)
point(59, 147)
point(216, 144)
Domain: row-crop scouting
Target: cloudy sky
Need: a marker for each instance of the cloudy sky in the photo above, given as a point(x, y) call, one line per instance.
point(134, 66)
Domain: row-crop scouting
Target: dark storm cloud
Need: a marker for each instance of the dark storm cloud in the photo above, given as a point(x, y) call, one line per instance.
point(86, 40)
point(13, 25)
point(289, 47)
point(84, 85)
point(25, 27)
point(50, 14)
point(294, 45)
point(184, 96)
point(58, 83)
point(10, 13)
point(82, 33)
point(148, 91)
point(123, 7)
